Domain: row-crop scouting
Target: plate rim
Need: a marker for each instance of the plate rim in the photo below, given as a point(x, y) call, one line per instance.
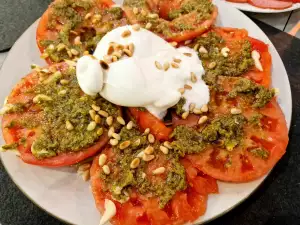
point(204, 222)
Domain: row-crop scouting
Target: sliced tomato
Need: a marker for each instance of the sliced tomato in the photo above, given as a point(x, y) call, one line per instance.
point(261, 148)
point(270, 4)
point(46, 31)
point(33, 113)
point(190, 121)
point(147, 120)
point(185, 206)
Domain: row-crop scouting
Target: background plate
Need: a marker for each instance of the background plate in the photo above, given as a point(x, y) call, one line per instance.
point(251, 8)
point(61, 192)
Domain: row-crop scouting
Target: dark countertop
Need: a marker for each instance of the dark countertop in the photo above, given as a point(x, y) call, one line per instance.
point(275, 202)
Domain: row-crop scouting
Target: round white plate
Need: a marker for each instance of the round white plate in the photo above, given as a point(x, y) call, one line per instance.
point(61, 192)
point(251, 8)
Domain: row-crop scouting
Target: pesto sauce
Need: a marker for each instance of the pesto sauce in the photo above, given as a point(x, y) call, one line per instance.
point(257, 94)
point(260, 153)
point(122, 181)
point(179, 106)
point(236, 64)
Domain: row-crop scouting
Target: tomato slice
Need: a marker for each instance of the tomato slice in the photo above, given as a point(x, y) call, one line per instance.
point(51, 25)
point(17, 133)
point(270, 4)
point(185, 206)
point(170, 30)
point(190, 121)
point(147, 120)
point(262, 146)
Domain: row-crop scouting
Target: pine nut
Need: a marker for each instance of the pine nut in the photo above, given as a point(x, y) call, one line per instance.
point(167, 144)
point(147, 131)
point(92, 114)
point(60, 47)
point(95, 107)
point(74, 52)
point(204, 108)
point(158, 65)
point(147, 158)
point(188, 87)
point(197, 111)
point(193, 77)
point(212, 65)
point(136, 27)
point(92, 125)
point(109, 120)
point(135, 163)
point(41, 97)
point(111, 131)
point(97, 119)
point(151, 138)
point(191, 107)
point(129, 125)
point(126, 33)
point(174, 65)
point(149, 150)
point(202, 119)
point(143, 12)
point(159, 171)
point(203, 50)
point(164, 149)
point(187, 54)
point(196, 47)
point(106, 169)
point(135, 10)
point(85, 175)
point(181, 90)
point(148, 26)
point(174, 43)
point(188, 42)
point(153, 15)
point(102, 159)
point(114, 58)
point(113, 142)
point(131, 48)
point(166, 66)
point(77, 41)
point(225, 51)
point(136, 143)
point(116, 136)
point(121, 120)
point(87, 16)
point(235, 111)
point(177, 60)
point(62, 92)
point(103, 113)
point(185, 115)
point(100, 131)
point(124, 144)
point(84, 167)
point(127, 52)
point(64, 82)
point(117, 54)
point(69, 125)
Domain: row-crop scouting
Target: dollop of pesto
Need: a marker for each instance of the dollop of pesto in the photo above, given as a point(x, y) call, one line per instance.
point(179, 106)
point(225, 131)
point(260, 153)
point(257, 94)
point(123, 179)
point(236, 64)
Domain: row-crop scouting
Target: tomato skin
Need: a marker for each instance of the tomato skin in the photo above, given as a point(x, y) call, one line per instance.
point(147, 120)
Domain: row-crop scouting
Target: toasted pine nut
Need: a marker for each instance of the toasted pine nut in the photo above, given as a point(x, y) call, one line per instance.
point(203, 50)
point(137, 142)
point(114, 58)
point(111, 131)
point(148, 26)
point(84, 167)
point(196, 47)
point(135, 163)
point(185, 115)
point(147, 158)
point(129, 125)
point(92, 125)
point(136, 27)
point(149, 150)
point(153, 15)
point(151, 138)
point(187, 54)
point(104, 64)
point(188, 42)
point(121, 120)
point(167, 144)
point(124, 144)
point(235, 111)
point(147, 131)
point(204, 108)
point(166, 66)
point(174, 65)
point(158, 65)
point(143, 12)
point(85, 175)
point(164, 149)
point(188, 87)
point(62, 92)
point(92, 114)
point(181, 90)
point(69, 125)
point(103, 113)
point(77, 41)
point(127, 52)
point(97, 119)
point(131, 48)
point(225, 51)
point(212, 65)
point(41, 97)
point(191, 107)
point(193, 77)
point(116, 136)
point(174, 43)
point(102, 159)
point(74, 51)
point(126, 33)
point(109, 120)
point(159, 170)
point(87, 16)
point(177, 60)
point(202, 119)
point(135, 10)
point(113, 142)
point(110, 50)
point(106, 169)
point(64, 81)
point(100, 131)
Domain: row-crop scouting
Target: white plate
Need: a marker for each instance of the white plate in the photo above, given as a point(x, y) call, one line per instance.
point(64, 195)
point(251, 8)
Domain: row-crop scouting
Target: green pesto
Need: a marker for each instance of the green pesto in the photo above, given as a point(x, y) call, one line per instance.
point(10, 146)
point(255, 120)
point(235, 64)
point(16, 108)
point(187, 141)
point(116, 12)
point(203, 8)
point(260, 153)
point(126, 179)
point(257, 94)
point(135, 3)
point(73, 107)
point(227, 130)
point(179, 106)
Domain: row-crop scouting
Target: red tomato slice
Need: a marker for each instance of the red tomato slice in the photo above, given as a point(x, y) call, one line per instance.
point(270, 4)
point(13, 135)
point(45, 33)
point(244, 163)
point(186, 206)
point(190, 121)
point(147, 120)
